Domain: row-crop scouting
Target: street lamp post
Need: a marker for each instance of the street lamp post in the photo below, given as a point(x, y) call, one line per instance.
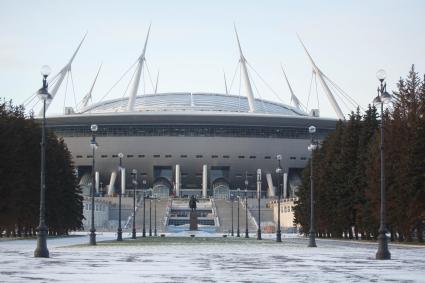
point(382, 98)
point(278, 172)
point(134, 174)
point(144, 209)
point(312, 147)
point(154, 231)
point(238, 230)
point(41, 249)
point(119, 231)
point(246, 206)
point(232, 199)
point(93, 145)
point(259, 203)
point(150, 217)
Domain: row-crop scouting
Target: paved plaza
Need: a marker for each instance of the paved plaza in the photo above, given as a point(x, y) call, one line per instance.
point(207, 259)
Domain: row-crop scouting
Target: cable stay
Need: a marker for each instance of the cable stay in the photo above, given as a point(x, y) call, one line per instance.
point(117, 82)
point(239, 91)
point(66, 91)
point(294, 99)
point(317, 92)
point(340, 90)
point(225, 83)
point(156, 84)
point(144, 81)
point(261, 99)
point(234, 75)
point(149, 74)
point(309, 90)
point(266, 84)
point(73, 90)
point(129, 83)
point(88, 97)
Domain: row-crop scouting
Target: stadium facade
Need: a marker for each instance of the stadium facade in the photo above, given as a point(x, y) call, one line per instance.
point(206, 144)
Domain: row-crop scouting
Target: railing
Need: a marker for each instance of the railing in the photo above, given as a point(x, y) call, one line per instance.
point(214, 211)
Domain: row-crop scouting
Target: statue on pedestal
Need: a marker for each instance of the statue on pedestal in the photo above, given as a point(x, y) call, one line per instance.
point(192, 203)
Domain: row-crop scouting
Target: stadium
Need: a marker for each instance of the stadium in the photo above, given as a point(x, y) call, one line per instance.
point(205, 144)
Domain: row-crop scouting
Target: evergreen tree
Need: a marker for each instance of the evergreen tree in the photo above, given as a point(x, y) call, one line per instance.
point(20, 177)
point(348, 179)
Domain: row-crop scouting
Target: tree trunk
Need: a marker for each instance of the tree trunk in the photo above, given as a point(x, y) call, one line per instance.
point(392, 234)
point(350, 233)
point(409, 236)
point(420, 232)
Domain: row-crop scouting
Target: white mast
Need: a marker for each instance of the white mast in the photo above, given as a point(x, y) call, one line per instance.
point(328, 92)
point(294, 98)
point(61, 76)
point(136, 81)
point(88, 96)
point(247, 82)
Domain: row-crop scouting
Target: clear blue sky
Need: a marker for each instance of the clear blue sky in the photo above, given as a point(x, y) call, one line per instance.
point(193, 41)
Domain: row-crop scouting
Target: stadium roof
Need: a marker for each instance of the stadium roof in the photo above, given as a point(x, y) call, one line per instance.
point(193, 102)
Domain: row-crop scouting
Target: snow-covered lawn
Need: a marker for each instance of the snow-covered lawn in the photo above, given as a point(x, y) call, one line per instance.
point(207, 260)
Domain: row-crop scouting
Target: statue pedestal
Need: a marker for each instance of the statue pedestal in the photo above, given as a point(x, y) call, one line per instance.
point(193, 221)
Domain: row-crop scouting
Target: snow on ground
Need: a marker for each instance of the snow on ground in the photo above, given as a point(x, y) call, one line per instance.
point(218, 260)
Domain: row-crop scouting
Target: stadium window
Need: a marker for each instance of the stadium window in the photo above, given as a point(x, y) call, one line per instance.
point(129, 155)
point(267, 157)
point(114, 156)
point(156, 156)
point(303, 158)
point(226, 156)
point(79, 156)
point(104, 156)
point(89, 156)
point(183, 156)
point(241, 156)
point(141, 156)
point(252, 157)
point(168, 156)
point(292, 158)
point(199, 156)
point(214, 156)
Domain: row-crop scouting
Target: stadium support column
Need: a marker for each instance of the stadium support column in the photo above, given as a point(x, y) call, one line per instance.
point(112, 183)
point(177, 180)
point(123, 181)
point(97, 181)
point(204, 181)
point(270, 189)
point(285, 185)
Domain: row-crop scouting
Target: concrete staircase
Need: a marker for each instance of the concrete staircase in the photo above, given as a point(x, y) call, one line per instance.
point(224, 212)
point(161, 208)
point(266, 212)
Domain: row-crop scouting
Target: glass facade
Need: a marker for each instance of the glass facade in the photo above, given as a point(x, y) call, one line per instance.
point(189, 131)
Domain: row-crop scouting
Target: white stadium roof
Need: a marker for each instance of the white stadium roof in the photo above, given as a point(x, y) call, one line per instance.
point(193, 102)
